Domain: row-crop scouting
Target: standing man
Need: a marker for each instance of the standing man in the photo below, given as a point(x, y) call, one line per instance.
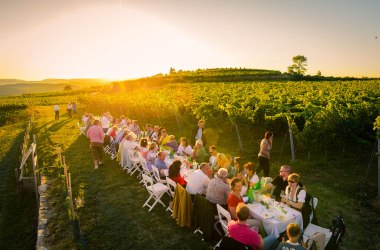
point(56, 110)
point(198, 133)
point(96, 136)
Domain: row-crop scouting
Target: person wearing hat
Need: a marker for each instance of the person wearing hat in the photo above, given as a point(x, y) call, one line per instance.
point(218, 188)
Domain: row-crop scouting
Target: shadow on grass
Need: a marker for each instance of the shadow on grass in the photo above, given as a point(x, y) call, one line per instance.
point(113, 216)
point(58, 125)
point(18, 215)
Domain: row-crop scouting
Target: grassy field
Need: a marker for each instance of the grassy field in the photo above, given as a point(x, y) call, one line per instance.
point(113, 217)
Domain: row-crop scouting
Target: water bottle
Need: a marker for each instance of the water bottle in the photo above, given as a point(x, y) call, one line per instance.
point(250, 195)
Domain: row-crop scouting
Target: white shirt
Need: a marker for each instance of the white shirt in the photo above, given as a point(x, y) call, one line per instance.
point(56, 107)
point(254, 179)
point(212, 160)
point(188, 150)
point(105, 122)
point(197, 182)
point(130, 145)
point(199, 134)
point(301, 195)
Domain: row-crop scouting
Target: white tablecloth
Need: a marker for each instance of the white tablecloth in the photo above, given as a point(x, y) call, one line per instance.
point(276, 217)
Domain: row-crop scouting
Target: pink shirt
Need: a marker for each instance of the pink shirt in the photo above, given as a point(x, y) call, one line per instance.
point(96, 134)
point(244, 234)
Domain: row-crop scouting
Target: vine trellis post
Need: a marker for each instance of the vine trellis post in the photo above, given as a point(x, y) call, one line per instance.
point(291, 137)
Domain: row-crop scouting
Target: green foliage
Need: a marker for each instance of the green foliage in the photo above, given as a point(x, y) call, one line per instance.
point(298, 68)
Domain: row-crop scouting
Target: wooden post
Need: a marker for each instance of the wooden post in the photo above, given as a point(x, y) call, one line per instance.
point(291, 139)
point(71, 198)
point(176, 117)
point(66, 176)
point(238, 136)
point(34, 161)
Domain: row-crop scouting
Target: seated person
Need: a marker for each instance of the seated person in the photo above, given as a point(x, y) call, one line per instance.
point(235, 198)
point(199, 152)
point(218, 188)
point(143, 148)
point(152, 155)
point(293, 231)
point(213, 152)
point(112, 132)
point(164, 139)
point(159, 163)
point(240, 170)
point(251, 179)
point(172, 143)
point(199, 180)
point(222, 162)
point(280, 182)
point(184, 148)
point(294, 194)
point(239, 230)
point(175, 172)
point(129, 144)
point(154, 136)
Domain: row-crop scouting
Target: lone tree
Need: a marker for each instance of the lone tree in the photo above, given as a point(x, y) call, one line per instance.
point(67, 87)
point(298, 68)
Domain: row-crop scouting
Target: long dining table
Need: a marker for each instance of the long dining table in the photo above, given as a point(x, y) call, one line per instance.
point(274, 215)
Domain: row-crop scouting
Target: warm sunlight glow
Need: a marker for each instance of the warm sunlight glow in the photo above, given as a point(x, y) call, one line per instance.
point(107, 42)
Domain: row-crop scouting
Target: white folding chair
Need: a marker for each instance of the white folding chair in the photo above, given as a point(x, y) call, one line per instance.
point(144, 169)
point(81, 129)
point(171, 185)
point(134, 162)
point(156, 191)
point(156, 175)
point(224, 218)
point(312, 229)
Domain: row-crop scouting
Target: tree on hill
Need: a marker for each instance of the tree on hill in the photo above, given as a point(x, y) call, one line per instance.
point(298, 68)
point(67, 87)
point(171, 71)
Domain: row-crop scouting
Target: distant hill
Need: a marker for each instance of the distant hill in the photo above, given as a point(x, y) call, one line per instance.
point(18, 87)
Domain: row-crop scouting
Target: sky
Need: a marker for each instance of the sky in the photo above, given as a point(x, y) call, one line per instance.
point(123, 39)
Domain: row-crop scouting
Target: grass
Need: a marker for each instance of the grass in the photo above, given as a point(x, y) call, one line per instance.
point(113, 217)
point(17, 210)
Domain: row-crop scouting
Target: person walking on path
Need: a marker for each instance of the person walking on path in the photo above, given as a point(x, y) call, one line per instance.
point(96, 136)
point(56, 111)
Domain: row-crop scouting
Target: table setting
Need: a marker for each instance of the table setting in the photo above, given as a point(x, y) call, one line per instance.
point(274, 215)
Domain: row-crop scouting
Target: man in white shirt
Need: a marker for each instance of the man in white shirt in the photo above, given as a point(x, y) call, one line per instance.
point(105, 123)
point(199, 180)
point(56, 110)
point(197, 133)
